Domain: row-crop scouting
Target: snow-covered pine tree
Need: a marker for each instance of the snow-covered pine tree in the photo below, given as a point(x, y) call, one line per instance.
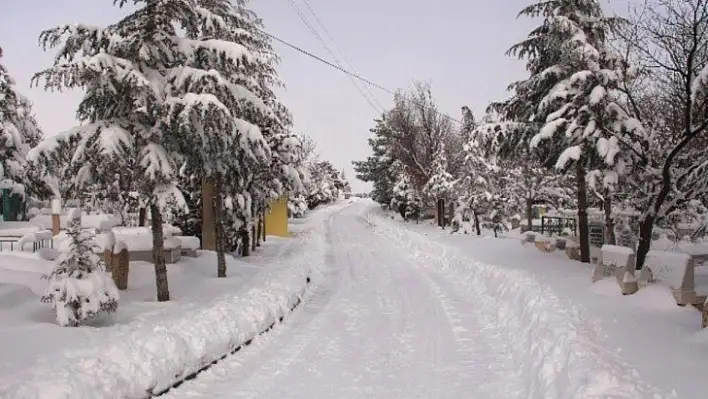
point(18, 133)
point(79, 287)
point(233, 138)
point(440, 185)
point(403, 193)
point(143, 93)
point(378, 169)
point(565, 50)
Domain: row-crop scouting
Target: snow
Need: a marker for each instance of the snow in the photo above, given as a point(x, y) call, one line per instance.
point(570, 153)
point(395, 310)
point(659, 343)
point(100, 221)
point(17, 229)
point(667, 267)
point(402, 314)
point(189, 242)
point(148, 346)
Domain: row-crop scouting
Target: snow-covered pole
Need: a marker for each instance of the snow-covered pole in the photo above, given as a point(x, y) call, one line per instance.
point(56, 211)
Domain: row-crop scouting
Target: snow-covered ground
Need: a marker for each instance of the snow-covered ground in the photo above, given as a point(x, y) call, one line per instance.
point(406, 311)
point(402, 315)
point(148, 345)
point(661, 340)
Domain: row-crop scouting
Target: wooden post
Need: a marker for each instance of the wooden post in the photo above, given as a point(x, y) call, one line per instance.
point(108, 259)
point(56, 211)
point(121, 268)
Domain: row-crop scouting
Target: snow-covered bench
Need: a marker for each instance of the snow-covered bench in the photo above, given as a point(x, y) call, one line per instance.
point(619, 262)
point(189, 245)
point(38, 239)
point(140, 248)
point(677, 270)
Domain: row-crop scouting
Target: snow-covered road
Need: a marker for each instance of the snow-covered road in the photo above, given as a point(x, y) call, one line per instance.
point(381, 323)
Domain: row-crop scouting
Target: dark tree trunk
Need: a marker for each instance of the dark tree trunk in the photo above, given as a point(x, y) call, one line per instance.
point(208, 217)
point(219, 233)
point(582, 213)
point(245, 241)
point(158, 254)
point(646, 227)
point(142, 217)
point(476, 224)
point(264, 226)
point(529, 213)
point(610, 238)
point(259, 232)
point(254, 239)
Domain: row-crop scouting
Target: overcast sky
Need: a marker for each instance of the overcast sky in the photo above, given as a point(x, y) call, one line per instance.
point(457, 45)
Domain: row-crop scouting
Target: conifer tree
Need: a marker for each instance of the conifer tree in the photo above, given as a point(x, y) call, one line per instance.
point(79, 287)
point(19, 132)
point(146, 95)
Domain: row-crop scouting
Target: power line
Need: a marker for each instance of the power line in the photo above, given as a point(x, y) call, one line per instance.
point(352, 74)
point(314, 31)
point(334, 42)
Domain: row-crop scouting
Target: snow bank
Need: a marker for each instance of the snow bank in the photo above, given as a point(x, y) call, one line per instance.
point(559, 352)
point(139, 361)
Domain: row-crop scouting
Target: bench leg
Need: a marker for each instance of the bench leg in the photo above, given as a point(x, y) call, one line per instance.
point(686, 293)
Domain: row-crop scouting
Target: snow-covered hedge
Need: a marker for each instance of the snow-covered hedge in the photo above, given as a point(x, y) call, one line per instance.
point(147, 357)
point(559, 351)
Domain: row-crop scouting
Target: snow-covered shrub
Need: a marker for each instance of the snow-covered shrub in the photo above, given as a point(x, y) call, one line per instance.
point(404, 196)
point(297, 206)
point(79, 287)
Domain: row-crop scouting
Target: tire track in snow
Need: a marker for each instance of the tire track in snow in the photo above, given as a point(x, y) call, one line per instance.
point(377, 326)
point(559, 354)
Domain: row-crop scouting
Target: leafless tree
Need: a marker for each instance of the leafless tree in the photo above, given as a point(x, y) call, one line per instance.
point(668, 42)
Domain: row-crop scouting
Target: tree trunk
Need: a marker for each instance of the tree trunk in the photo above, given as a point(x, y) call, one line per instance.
point(245, 241)
point(142, 216)
point(529, 213)
point(259, 231)
point(264, 226)
point(704, 315)
point(476, 224)
point(610, 238)
point(582, 214)
point(646, 227)
point(208, 217)
point(253, 238)
point(158, 255)
point(219, 234)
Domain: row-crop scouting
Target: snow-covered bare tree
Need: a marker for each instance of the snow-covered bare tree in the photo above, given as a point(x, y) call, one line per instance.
point(667, 43)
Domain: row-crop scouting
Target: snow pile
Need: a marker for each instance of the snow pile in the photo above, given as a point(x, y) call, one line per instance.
point(141, 360)
point(559, 352)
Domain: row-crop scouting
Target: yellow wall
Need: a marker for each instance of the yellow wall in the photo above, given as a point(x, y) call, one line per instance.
point(277, 218)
